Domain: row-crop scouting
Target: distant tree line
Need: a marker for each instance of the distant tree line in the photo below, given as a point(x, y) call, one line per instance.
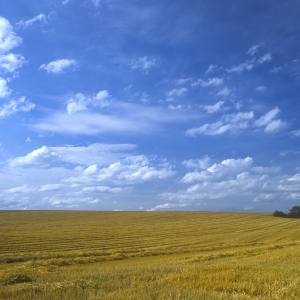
point(294, 213)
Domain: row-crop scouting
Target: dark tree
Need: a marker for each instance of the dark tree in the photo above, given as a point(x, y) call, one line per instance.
point(279, 214)
point(294, 212)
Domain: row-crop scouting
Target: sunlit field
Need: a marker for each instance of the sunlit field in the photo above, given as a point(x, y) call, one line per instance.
point(148, 255)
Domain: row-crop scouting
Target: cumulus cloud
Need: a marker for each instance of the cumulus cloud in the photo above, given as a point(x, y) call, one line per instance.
point(131, 170)
point(10, 62)
point(4, 90)
point(38, 18)
point(269, 123)
point(42, 155)
point(202, 163)
point(144, 63)
point(228, 169)
point(77, 104)
point(214, 108)
point(8, 38)
point(228, 122)
point(14, 106)
point(80, 102)
point(58, 66)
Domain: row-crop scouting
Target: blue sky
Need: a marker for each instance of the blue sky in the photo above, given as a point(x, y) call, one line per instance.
point(149, 105)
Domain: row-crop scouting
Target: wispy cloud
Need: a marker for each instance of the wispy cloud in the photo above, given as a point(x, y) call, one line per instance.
point(144, 63)
point(253, 49)
point(229, 122)
point(224, 92)
point(38, 18)
point(269, 122)
point(248, 66)
point(121, 118)
point(176, 92)
point(214, 108)
point(266, 57)
point(14, 106)
point(211, 69)
point(261, 88)
point(215, 81)
point(58, 66)
point(96, 2)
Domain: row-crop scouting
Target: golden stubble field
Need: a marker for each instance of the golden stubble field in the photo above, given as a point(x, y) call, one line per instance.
point(148, 255)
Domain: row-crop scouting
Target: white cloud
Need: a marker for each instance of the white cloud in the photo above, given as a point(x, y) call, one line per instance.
point(266, 57)
point(224, 92)
point(229, 122)
point(10, 62)
point(211, 69)
point(215, 81)
point(8, 39)
point(214, 108)
point(13, 106)
point(183, 80)
point(80, 102)
point(144, 63)
point(276, 70)
point(240, 68)
point(176, 92)
point(202, 163)
point(4, 90)
point(91, 155)
point(101, 189)
point(58, 66)
point(38, 18)
point(268, 121)
point(253, 49)
point(77, 104)
point(168, 206)
point(20, 189)
point(228, 169)
point(131, 170)
point(267, 118)
point(296, 132)
point(96, 2)
point(50, 187)
point(121, 118)
point(275, 125)
point(261, 88)
point(102, 95)
point(42, 155)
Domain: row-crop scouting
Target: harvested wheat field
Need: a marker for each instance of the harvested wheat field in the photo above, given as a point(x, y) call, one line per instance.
point(148, 255)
